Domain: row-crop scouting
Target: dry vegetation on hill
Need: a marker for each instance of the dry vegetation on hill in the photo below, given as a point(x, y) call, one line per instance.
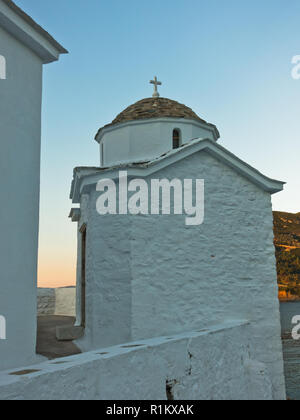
point(287, 244)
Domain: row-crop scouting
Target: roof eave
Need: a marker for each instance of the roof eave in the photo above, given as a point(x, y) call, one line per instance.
point(15, 21)
point(85, 177)
point(102, 131)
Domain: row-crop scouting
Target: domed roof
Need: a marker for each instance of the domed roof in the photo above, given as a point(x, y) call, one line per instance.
point(154, 108)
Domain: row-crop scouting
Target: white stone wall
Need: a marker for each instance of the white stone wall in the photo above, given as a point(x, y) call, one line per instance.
point(148, 139)
point(25, 47)
point(60, 301)
point(209, 365)
point(152, 275)
point(108, 278)
point(20, 128)
point(46, 302)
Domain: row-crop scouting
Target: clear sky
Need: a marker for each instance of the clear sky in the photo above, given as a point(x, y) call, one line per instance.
point(230, 61)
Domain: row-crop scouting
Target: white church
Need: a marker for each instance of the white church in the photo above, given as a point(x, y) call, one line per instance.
point(166, 310)
point(143, 276)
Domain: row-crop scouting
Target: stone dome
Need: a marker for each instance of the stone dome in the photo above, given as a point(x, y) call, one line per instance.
point(149, 129)
point(154, 108)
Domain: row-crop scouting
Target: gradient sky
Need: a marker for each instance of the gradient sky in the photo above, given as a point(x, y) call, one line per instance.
point(228, 60)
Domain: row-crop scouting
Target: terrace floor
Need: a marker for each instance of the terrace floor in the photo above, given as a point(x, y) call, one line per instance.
point(47, 344)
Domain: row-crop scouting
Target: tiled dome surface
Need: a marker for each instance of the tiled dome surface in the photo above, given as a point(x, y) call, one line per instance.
point(154, 108)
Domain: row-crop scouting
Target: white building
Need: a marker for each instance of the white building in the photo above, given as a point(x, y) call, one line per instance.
point(24, 48)
point(147, 276)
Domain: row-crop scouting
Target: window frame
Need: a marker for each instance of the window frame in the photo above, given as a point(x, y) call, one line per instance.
point(176, 136)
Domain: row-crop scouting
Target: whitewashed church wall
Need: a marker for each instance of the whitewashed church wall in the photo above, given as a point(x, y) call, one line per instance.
point(19, 188)
point(152, 275)
point(108, 280)
point(137, 141)
point(190, 365)
point(186, 278)
point(133, 142)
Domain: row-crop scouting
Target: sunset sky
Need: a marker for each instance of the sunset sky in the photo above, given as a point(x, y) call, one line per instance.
point(230, 61)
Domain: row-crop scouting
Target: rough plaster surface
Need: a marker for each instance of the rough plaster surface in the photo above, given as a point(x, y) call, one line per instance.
point(20, 128)
point(150, 276)
point(60, 301)
point(45, 301)
point(25, 49)
point(208, 365)
point(148, 139)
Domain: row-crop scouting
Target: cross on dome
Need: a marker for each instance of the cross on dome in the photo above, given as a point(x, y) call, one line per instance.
point(156, 83)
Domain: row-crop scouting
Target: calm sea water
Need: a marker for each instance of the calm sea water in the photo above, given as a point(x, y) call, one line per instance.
point(291, 349)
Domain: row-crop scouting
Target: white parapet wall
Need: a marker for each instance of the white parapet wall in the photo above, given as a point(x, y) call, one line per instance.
point(210, 364)
point(60, 301)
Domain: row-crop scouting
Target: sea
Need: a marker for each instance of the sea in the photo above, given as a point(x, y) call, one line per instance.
point(291, 349)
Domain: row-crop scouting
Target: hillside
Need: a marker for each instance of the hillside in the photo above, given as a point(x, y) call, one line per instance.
point(287, 244)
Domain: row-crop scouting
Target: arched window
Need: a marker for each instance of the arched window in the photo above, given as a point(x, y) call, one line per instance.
point(176, 139)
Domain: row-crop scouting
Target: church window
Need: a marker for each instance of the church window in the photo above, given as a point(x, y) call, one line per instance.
point(176, 139)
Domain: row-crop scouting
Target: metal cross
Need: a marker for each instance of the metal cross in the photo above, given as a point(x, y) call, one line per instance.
point(156, 83)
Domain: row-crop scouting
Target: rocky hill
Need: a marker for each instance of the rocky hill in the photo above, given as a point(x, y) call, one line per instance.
point(287, 244)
